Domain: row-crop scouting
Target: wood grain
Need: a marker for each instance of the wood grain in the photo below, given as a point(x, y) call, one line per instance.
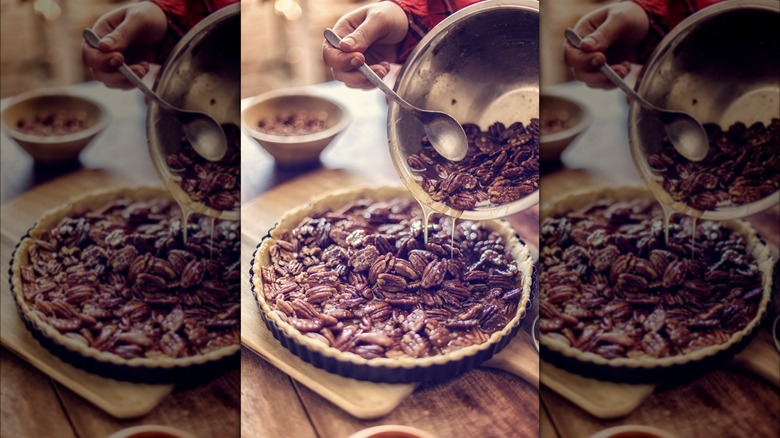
point(270, 406)
point(205, 409)
point(482, 401)
point(24, 395)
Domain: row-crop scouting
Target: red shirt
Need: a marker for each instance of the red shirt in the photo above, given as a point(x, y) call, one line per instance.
point(423, 16)
point(664, 16)
point(183, 16)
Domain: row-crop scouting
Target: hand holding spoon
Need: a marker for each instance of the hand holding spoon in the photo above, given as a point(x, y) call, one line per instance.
point(203, 132)
point(685, 133)
point(444, 132)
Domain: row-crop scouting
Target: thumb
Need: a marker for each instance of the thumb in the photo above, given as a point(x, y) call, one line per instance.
point(123, 36)
point(603, 37)
point(366, 34)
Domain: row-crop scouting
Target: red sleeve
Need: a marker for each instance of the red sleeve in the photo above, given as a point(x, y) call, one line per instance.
point(423, 16)
point(664, 16)
point(183, 16)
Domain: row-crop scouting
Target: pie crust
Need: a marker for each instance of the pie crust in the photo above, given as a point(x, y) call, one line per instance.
point(383, 369)
point(140, 369)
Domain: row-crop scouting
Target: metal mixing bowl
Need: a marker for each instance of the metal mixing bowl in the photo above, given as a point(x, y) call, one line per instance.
point(721, 66)
point(481, 65)
point(203, 73)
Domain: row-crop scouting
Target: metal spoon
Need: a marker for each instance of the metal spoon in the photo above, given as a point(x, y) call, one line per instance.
point(444, 132)
point(203, 132)
point(685, 133)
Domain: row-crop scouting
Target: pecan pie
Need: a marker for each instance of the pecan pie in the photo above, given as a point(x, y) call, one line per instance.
point(109, 283)
point(501, 166)
point(617, 301)
point(349, 284)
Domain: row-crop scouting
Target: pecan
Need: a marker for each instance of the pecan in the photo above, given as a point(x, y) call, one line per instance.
point(433, 275)
point(306, 325)
point(380, 339)
point(141, 264)
point(415, 345)
point(150, 282)
point(415, 321)
point(631, 283)
point(405, 269)
point(379, 266)
point(605, 258)
point(193, 274)
point(363, 259)
point(391, 283)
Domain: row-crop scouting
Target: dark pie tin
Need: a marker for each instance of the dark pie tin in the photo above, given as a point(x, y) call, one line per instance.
point(687, 371)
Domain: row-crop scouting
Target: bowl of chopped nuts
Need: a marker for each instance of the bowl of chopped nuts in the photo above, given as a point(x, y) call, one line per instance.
point(562, 120)
point(294, 126)
point(54, 126)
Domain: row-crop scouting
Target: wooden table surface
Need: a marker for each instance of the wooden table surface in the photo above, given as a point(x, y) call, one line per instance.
point(723, 402)
point(34, 405)
point(484, 401)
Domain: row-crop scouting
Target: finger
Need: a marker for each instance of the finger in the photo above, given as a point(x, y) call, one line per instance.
point(580, 60)
point(338, 60)
point(355, 79)
point(369, 31)
point(102, 61)
point(603, 36)
point(117, 80)
point(594, 79)
point(599, 80)
point(122, 35)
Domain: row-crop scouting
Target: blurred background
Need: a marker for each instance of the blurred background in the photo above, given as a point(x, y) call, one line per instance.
point(281, 46)
point(41, 42)
point(282, 40)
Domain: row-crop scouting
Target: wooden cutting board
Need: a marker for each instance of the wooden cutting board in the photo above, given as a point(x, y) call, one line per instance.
point(361, 399)
point(609, 400)
point(117, 398)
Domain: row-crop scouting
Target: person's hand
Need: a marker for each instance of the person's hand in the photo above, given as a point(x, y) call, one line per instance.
point(128, 35)
point(370, 34)
point(609, 34)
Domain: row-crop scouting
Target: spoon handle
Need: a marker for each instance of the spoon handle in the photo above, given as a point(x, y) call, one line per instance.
point(575, 41)
point(93, 40)
point(335, 41)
